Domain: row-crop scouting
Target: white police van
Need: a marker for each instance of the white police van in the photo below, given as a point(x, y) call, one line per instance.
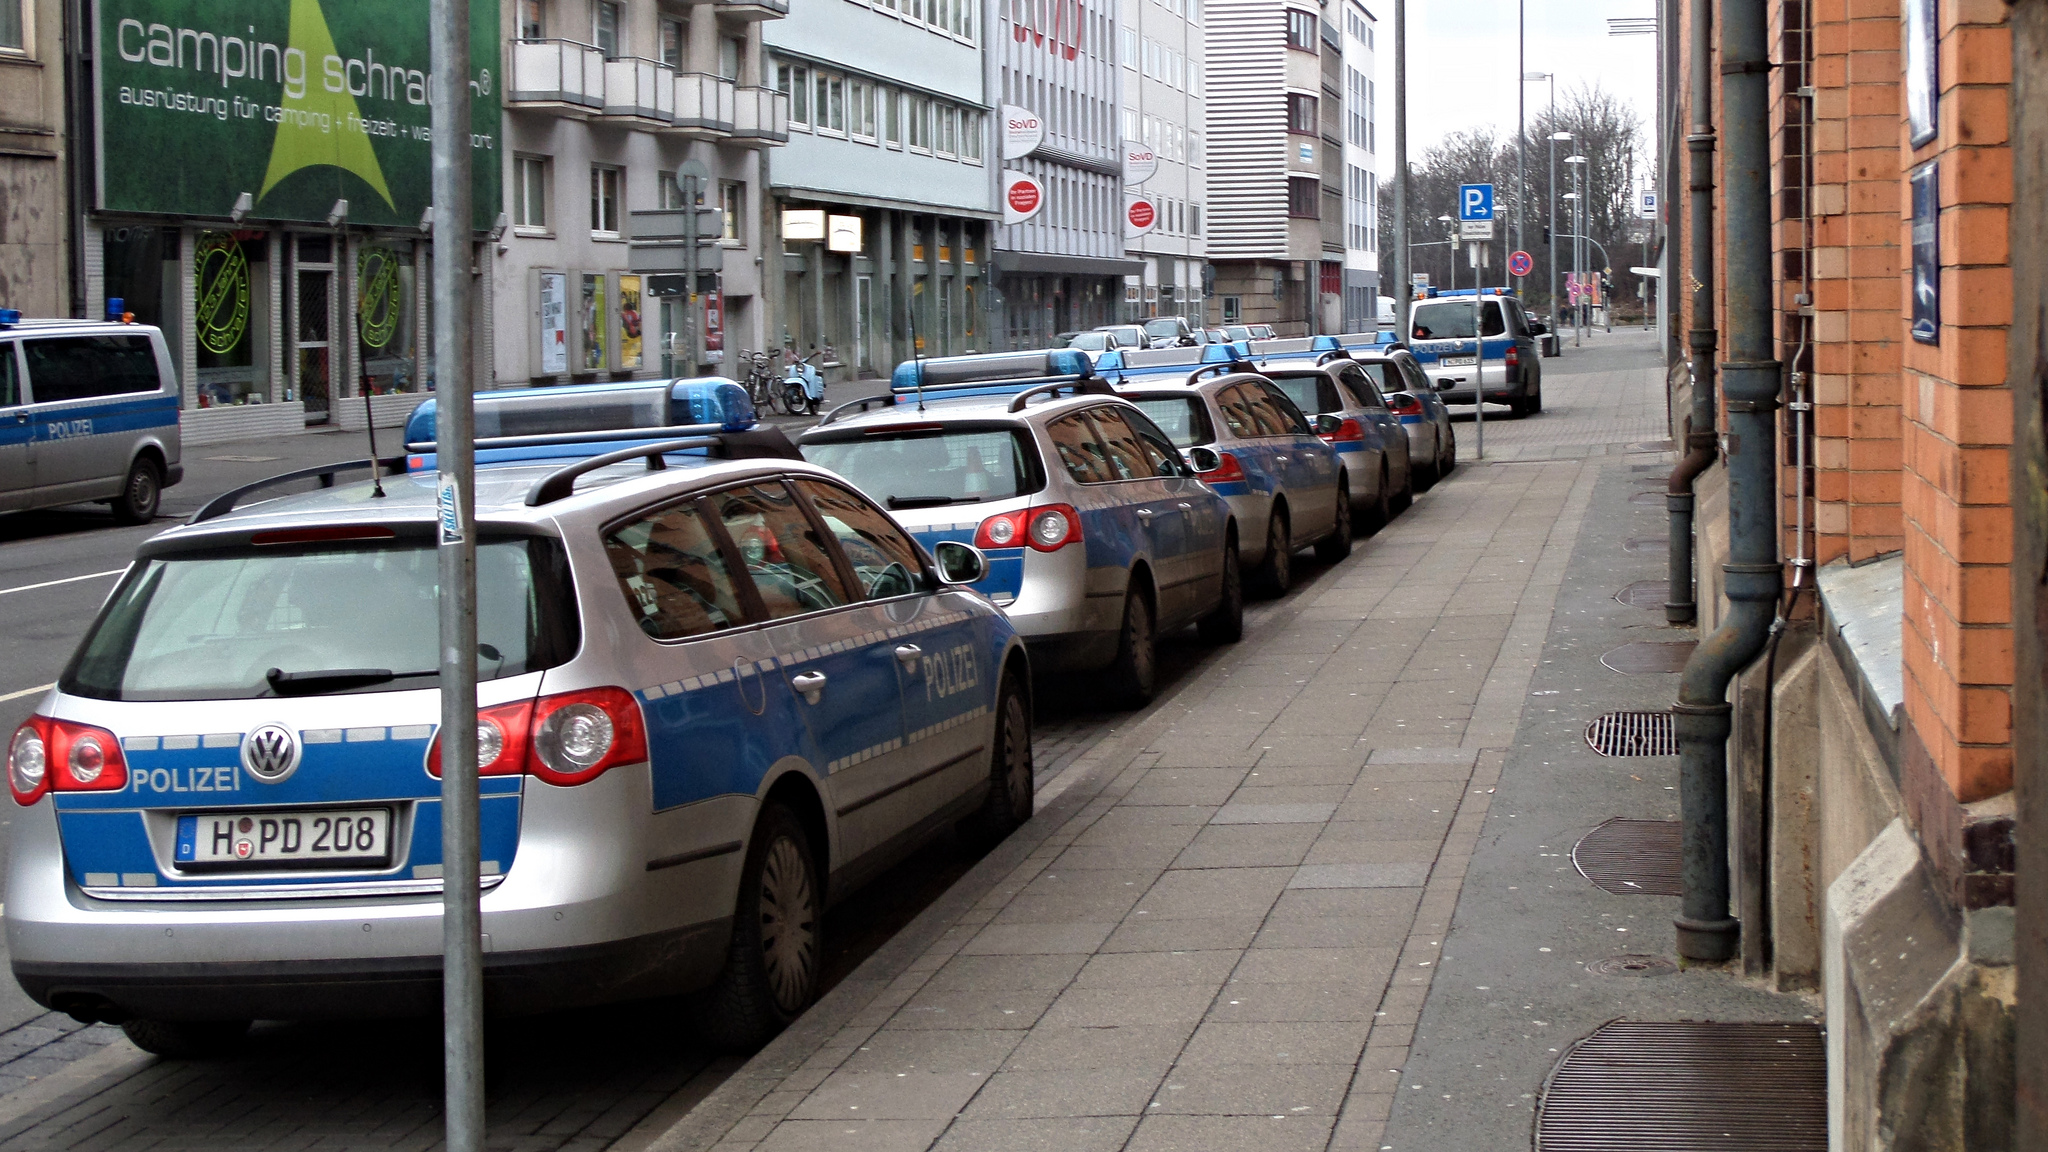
point(88, 412)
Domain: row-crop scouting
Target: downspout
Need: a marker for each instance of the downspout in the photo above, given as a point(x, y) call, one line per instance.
point(1679, 604)
point(1702, 717)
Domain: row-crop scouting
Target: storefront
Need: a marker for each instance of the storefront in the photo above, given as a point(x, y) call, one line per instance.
point(868, 287)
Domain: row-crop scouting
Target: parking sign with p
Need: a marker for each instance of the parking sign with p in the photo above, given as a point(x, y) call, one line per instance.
point(1475, 201)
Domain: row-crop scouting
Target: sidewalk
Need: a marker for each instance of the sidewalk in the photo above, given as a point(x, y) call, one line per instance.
point(1226, 926)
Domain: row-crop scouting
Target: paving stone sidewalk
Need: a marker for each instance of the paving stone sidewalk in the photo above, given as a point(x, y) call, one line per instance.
point(1220, 930)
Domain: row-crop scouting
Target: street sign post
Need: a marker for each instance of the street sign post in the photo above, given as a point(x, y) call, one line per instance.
point(1475, 223)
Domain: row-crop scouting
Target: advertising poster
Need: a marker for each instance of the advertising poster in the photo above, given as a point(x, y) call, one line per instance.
point(554, 323)
point(629, 321)
point(298, 103)
point(1927, 254)
point(591, 321)
point(714, 328)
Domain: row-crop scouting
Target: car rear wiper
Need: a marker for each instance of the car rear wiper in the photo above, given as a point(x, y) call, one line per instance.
point(896, 502)
point(306, 683)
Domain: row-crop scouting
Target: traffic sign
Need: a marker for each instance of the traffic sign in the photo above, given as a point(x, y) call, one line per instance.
point(1475, 202)
point(1650, 204)
point(1475, 229)
point(1520, 263)
point(1139, 217)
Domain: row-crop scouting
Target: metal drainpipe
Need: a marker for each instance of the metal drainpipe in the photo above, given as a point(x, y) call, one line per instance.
point(1700, 443)
point(1702, 716)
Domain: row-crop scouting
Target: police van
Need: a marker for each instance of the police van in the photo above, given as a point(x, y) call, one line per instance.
point(88, 412)
point(1441, 336)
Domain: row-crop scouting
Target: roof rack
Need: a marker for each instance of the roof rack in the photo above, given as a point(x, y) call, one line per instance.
point(856, 407)
point(1123, 363)
point(1223, 369)
point(754, 444)
point(225, 503)
point(1086, 385)
point(1334, 354)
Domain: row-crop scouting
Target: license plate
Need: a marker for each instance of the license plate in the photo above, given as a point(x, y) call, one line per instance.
point(323, 838)
point(1455, 361)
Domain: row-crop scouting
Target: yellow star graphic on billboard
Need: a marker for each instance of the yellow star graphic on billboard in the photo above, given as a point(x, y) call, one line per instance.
point(315, 129)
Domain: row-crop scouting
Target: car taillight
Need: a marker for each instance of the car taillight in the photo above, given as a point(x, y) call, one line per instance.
point(578, 735)
point(49, 754)
point(1226, 470)
point(1402, 404)
point(1048, 528)
point(1514, 356)
point(500, 741)
point(1347, 432)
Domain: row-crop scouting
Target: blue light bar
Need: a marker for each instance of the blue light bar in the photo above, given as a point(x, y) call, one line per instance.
point(9, 317)
point(575, 411)
point(1167, 361)
point(989, 368)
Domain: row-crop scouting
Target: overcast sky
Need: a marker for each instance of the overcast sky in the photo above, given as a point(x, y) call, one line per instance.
point(1461, 64)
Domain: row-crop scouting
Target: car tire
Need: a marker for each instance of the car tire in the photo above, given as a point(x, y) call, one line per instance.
point(141, 493)
point(1225, 625)
point(1275, 573)
point(1134, 674)
point(1536, 396)
point(1449, 460)
point(1012, 783)
point(772, 963)
point(186, 1039)
point(1337, 545)
point(1382, 508)
point(1405, 498)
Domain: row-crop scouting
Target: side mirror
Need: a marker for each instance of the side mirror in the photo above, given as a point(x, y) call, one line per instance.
point(1204, 459)
point(1537, 327)
point(1328, 424)
point(959, 563)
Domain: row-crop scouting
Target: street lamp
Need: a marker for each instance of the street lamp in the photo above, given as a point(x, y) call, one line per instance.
point(1451, 228)
point(1578, 164)
point(1552, 218)
point(1521, 146)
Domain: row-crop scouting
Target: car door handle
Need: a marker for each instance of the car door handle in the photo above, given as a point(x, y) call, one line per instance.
point(1186, 507)
point(1280, 459)
point(908, 655)
point(811, 684)
point(1146, 513)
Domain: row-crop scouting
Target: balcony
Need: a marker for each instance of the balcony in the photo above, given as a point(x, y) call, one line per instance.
point(703, 106)
point(639, 90)
point(559, 75)
point(754, 9)
point(761, 116)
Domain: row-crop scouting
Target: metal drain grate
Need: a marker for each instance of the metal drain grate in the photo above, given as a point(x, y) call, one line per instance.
point(1647, 544)
point(1645, 594)
point(1631, 857)
point(1688, 1087)
point(1646, 656)
point(1633, 734)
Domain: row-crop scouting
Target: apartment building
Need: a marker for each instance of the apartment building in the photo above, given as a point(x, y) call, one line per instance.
point(1274, 76)
point(1361, 274)
point(884, 199)
point(1160, 49)
point(36, 251)
point(606, 104)
point(1059, 253)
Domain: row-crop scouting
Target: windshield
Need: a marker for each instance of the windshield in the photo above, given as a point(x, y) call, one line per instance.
point(1301, 389)
point(1452, 319)
point(282, 620)
point(1090, 342)
point(1164, 326)
point(927, 469)
point(1182, 418)
point(1237, 332)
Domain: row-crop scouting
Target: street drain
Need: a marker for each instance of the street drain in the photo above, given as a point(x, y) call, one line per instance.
point(1631, 857)
point(1633, 734)
point(1653, 446)
point(1688, 1086)
point(1647, 544)
point(1632, 966)
point(1645, 594)
point(1646, 656)
point(1647, 498)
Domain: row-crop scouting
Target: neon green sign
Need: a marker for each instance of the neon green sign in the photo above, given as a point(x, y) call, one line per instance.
point(220, 281)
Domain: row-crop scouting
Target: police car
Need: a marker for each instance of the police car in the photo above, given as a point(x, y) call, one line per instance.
point(1440, 334)
point(1351, 416)
point(1432, 438)
point(88, 412)
point(1098, 533)
point(719, 689)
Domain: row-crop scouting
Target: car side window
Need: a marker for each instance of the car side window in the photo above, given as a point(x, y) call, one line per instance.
point(1236, 403)
point(1287, 417)
point(10, 381)
point(1360, 381)
point(1127, 461)
point(672, 567)
point(1411, 371)
point(1079, 449)
point(787, 558)
point(79, 367)
point(1157, 446)
point(884, 560)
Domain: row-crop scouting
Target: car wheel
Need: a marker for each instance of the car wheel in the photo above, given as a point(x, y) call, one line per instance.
point(1536, 397)
point(1133, 675)
point(140, 494)
point(771, 966)
point(186, 1039)
point(1337, 545)
point(1449, 460)
point(1276, 572)
point(1225, 625)
point(1012, 783)
point(1405, 498)
point(1382, 511)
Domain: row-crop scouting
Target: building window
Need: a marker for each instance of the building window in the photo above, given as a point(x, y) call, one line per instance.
point(604, 32)
point(971, 126)
point(732, 198)
point(672, 43)
point(1301, 114)
point(729, 51)
point(892, 117)
point(795, 82)
point(1127, 46)
point(1304, 194)
point(921, 123)
point(532, 19)
point(604, 201)
point(1301, 29)
point(861, 119)
point(1195, 220)
point(949, 128)
point(1233, 309)
point(668, 195)
point(529, 192)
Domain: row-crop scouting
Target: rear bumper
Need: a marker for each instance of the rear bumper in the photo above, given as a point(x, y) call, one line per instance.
point(515, 983)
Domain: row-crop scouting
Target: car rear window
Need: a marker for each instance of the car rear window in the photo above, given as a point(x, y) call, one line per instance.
point(266, 621)
point(1310, 392)
point(1164, 326)
point(1182, 418)
point(1452, 319)
point(928, 468)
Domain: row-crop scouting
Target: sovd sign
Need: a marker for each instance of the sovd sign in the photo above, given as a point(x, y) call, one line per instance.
point(1475, 211)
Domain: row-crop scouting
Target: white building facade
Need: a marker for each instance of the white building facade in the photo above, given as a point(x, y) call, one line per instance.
point(1160, 51)
point(1361, 169)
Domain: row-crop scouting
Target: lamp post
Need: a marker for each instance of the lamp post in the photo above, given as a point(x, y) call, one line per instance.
point(1578, 166)
point(1521, 122)
point(1552, 246)
point(1451, 226)
point(1521, 168)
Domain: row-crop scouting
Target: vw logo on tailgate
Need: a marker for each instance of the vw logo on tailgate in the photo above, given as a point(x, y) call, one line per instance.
point(270, 753)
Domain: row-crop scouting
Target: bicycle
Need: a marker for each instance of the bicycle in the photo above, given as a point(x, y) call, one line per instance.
point(760, 382)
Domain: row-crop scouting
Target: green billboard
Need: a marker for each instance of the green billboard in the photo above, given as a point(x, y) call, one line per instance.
point(297, 103)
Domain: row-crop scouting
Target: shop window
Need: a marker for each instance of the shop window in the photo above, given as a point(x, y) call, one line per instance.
point(604, 31)
point(1301, 30)
point(732, 198)
point(530, 192)
point(604, 202)
point(230, 317)
point(386, 303)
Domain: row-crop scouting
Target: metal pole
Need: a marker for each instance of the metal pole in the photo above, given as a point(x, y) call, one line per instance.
point(1478, 359)
point(692, 193)
point(1521, 120)
point(462, 1004)
point(1404, 294)
point(1578, 276)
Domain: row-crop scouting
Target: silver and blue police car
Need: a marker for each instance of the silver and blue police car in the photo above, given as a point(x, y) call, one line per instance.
point(720, 688)
point(1432, 438)
point(1349, 415)
point(1099, 536)
point(1441, 336)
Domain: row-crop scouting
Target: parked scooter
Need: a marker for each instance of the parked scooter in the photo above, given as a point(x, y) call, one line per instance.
point(803, 386)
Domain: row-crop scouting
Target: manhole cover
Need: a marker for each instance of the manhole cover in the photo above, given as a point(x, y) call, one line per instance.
point(1633, 734)
point(1632, 966)
point(1647, 498)
point(1688, 1086)
point(1631, 857)
point(1647, 544)
point(1646, 656)
point(1645, 594)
